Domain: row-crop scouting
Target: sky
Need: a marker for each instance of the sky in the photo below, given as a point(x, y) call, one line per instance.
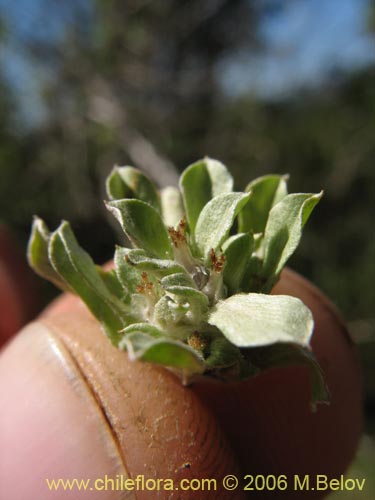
point(306, 41)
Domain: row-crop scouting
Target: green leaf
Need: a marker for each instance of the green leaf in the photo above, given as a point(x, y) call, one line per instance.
point(201, 182)
point(76, 267)
point(37, 254)
point(222, 359)
point(159, 267)
point(171, 206)
point(143, 225)
point(178, 279)
point(284, 230)
point(252, 320)
point(291, 355)
point(252, 280)
point(266, 192)
point(145, 328)
point(169, 312)
point(113, 283)
point(128, 275)
point(129, 182)
point(222, 353)
point(237, 250)
point(216, 220)
point(163, 351)
point(183, 285)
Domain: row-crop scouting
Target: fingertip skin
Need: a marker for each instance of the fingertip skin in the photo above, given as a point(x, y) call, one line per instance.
point(148, 423)
point(73, 406)
point(50, 424)
point(162, 428)
point(276, 433)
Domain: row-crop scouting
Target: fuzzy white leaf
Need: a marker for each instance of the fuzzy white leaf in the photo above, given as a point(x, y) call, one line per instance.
point(216, 219)
point(253, 320)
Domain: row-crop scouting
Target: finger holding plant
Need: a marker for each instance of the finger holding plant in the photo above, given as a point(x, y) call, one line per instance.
point(193, 291)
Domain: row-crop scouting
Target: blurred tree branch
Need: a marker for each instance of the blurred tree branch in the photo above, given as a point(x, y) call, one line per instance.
point(105, 108)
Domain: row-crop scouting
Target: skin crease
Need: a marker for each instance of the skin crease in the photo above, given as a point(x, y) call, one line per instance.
point(47, 414)
point(76, 425)
point(81, 409)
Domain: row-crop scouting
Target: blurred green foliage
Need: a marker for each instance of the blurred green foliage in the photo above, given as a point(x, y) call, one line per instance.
point(129, 80)
point(325, 141)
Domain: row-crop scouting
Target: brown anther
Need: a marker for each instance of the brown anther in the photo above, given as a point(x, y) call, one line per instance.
point(146, 285)
point(217, 262)
point(182, 225)
point(178, 235)
point(197, 342)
